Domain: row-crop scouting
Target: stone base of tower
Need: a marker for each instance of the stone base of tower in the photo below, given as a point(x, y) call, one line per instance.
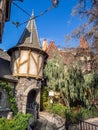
point(28, 95)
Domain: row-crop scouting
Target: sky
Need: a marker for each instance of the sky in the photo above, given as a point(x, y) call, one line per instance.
point(53, 25)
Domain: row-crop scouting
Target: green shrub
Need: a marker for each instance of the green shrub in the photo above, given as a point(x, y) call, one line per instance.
point(46, 106)
point(89, 113)
point(73, 117)
point(2, 124)
point(58, 109)
point(19, 122)
point(44, 98)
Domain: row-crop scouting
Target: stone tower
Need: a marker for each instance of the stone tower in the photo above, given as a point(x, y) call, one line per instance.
point(27, 62)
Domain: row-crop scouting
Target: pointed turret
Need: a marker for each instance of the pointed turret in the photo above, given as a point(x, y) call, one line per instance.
point(83, 48)
point(27, 57)
point(83, 43)
point(30, 36)
point(44, 45)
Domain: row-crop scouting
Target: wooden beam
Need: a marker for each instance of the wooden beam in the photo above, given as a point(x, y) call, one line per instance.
point(41, 66)
point(28, 75)
point(28, 69)
point(34, 59)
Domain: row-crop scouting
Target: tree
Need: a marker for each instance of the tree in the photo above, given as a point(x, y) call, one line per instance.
point(91, 83)
point(75, 86)
point(53, 72)
point(68, 82)
point(88, 9)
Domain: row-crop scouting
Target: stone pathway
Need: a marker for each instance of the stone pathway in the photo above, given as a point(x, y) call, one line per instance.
point(43, 124)
point(93, 121)
point(49, 121)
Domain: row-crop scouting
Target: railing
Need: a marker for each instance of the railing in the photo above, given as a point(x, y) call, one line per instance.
point(32, 109)
point(83, 125)
point(87, 126)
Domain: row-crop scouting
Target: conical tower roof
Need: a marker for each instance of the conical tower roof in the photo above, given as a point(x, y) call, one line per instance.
point(84, 48)
point(83, 43)
point(29, 37)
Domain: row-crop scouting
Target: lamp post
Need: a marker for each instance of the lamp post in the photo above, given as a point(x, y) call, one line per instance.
point(51, 95)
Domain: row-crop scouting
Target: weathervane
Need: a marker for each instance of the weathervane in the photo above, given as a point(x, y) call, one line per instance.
point(54, 5)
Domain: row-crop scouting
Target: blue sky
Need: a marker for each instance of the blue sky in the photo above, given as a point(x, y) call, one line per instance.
point(54, 25)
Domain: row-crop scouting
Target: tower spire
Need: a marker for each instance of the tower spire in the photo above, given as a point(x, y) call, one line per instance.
point(30, 34)
point(83, 43)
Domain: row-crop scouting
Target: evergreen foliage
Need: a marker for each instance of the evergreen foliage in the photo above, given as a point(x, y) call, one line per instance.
point(91, 84)
point(74, 87)
point(53, 72)
point(44, 98)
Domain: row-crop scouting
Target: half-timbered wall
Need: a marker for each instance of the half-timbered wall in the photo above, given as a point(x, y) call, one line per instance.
point(27, 63)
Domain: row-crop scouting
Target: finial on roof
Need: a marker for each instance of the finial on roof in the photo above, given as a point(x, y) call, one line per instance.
point(30, 34)
point(83, 43)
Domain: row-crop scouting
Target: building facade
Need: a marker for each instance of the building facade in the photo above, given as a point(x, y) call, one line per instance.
point(22, 67)
point(82, 55)
point(25, 66)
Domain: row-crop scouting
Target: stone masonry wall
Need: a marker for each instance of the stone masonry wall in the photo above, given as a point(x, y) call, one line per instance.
point(24, 86)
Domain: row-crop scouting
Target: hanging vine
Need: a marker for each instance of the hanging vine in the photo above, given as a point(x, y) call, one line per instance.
point(11, 98)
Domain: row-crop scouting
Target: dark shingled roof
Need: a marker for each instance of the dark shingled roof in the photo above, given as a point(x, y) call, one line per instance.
point(29, 39)
point(4, 55)
point(30, 35)
point(5, 72)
